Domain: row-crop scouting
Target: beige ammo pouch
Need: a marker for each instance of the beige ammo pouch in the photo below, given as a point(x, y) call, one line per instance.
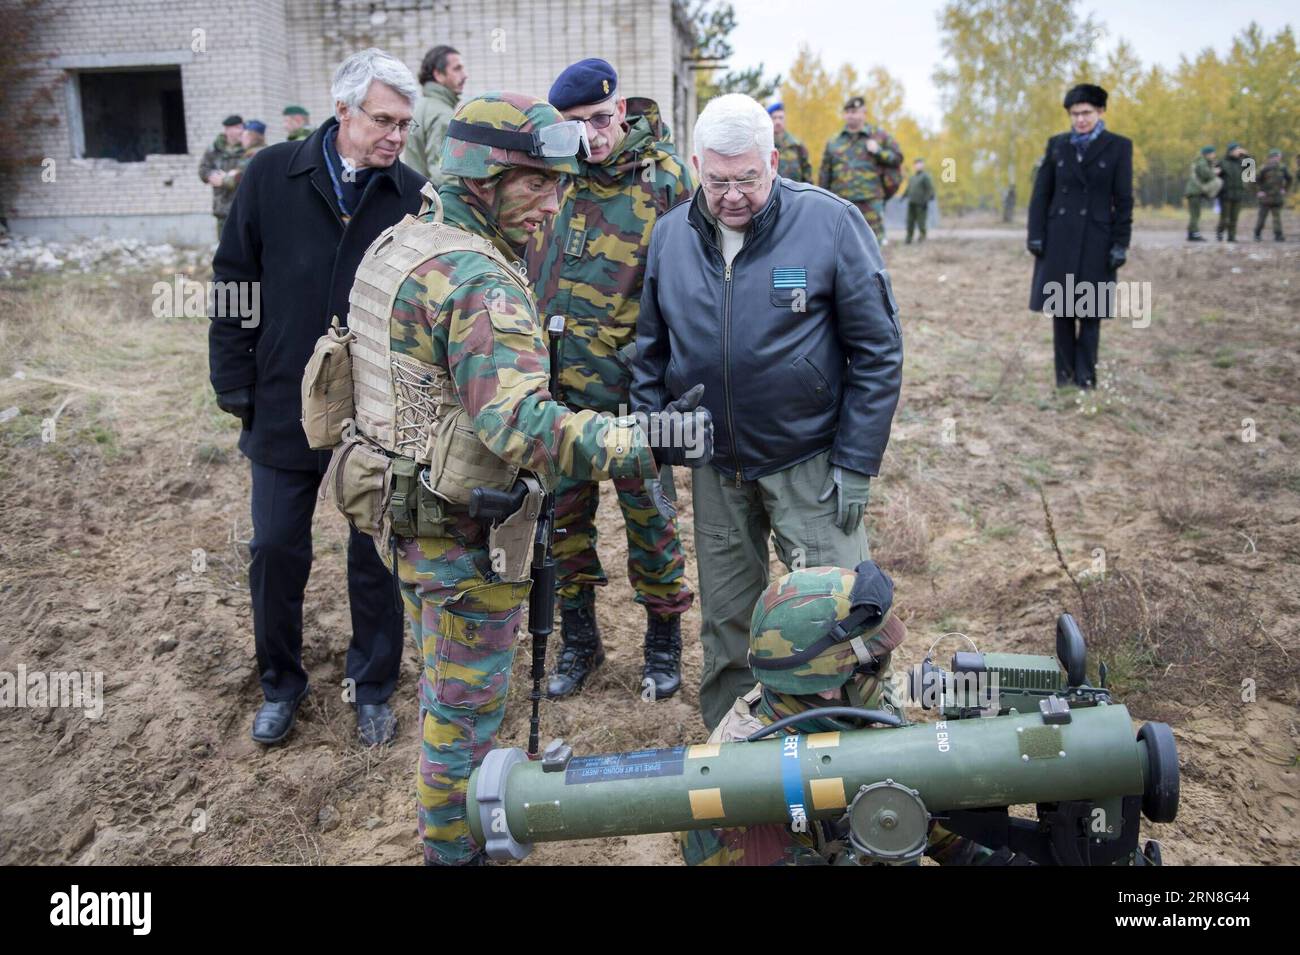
point(461, 462)
point(327, 389)
point(358, 481)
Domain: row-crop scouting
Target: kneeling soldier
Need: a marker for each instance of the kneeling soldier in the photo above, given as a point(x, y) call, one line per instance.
point(819, 637)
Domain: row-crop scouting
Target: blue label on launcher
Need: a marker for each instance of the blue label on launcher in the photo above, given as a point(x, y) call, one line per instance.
point(642, 764)
point(792, 784)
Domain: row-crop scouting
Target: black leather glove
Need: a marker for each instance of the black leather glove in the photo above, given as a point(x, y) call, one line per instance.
point(1035, 246)
point(682, 433)
point(238, 402)
point(1118, 256)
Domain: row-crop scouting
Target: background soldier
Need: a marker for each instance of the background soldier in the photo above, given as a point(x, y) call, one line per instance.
point(442, 76)
point(295, 123)
point(792, 618)
point(466, 320)
point(223, 156)
point(857, 163)
point(587, 265)
point(1233, 192)
point(920, 190)
point(793, 162)
point(253, 139)
point(1203, 183)
point(1274, 181)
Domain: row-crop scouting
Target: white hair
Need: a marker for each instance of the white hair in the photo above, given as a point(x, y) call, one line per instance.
point(352, 79)
point(733, 125)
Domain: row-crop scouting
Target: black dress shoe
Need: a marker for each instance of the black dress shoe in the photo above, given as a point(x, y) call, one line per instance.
point(376, 724)
point(275, 719)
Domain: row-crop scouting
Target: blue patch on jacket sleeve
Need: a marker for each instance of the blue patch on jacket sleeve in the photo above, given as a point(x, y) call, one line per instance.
point(789, 278)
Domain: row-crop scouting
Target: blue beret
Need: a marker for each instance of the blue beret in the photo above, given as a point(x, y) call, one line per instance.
point(255, 126)
point(776, 107)
point(583, 83)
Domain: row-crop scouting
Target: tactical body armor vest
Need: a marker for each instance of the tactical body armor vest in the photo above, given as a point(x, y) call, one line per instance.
point(407, 447)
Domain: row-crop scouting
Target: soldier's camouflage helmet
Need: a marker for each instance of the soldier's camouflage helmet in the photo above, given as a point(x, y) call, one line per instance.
point(814, 628)
point(495, 132)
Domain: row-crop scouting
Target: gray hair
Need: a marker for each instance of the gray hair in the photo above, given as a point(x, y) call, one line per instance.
point(732, 125)
point(352, 79)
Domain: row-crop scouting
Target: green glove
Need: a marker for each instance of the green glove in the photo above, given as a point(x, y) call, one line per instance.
point(851, 490)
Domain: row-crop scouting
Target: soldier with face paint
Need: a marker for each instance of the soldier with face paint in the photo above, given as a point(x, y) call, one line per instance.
point(462, 349)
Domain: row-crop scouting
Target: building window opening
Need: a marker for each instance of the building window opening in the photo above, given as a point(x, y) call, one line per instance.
point(129, 114)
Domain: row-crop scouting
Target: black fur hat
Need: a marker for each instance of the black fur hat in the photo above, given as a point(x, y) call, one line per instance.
point(1086, 93)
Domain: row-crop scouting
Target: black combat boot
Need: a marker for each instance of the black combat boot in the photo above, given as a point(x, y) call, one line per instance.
point(580, 650)
point(662, 675)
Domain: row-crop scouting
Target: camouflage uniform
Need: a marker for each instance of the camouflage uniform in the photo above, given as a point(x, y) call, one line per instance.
point(1232, 194)
point(458, 310)
point(587, 265)
point(302, 132)
point(1274, 181)
point(853, 173)
point(1203, 173)
point(779, 628)
point(221, 157)
point(920, 190)
point(792, 158)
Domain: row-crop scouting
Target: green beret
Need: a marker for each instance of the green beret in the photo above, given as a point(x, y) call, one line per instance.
point(294, 111)
point(1206, 149)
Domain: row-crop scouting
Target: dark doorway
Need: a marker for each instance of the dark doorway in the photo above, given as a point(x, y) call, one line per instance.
point(129, 114)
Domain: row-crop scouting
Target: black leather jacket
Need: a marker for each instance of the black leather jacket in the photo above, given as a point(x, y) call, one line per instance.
point(797, 343)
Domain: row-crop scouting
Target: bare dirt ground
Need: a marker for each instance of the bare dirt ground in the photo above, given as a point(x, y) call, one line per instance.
point(1174, 534)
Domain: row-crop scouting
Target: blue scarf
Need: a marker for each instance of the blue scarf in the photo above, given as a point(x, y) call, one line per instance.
point(1081, 141)
point(346, 191)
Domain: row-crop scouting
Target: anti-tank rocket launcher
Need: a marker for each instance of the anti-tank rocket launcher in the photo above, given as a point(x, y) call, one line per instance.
point(1015, 729)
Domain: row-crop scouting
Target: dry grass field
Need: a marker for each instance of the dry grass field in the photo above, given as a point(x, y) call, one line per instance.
point(1163, 510)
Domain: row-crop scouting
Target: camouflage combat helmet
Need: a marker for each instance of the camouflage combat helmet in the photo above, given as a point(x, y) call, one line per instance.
point(814, 628)
point(495, 132)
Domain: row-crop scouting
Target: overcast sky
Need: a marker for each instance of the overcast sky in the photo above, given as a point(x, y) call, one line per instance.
point(903, 36)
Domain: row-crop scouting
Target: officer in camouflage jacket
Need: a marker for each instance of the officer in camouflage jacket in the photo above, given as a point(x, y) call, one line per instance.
point(588, 266)
point(856, 163)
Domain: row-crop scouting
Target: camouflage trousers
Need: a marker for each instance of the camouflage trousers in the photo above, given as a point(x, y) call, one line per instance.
point(873, 210)
point(656, 566)
point(1229, 210)
point(466, 625)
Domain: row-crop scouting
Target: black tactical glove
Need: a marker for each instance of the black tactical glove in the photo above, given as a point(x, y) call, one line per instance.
point(1035, 246)
point(238, 402)
point(682, 433)
point(1118, 256)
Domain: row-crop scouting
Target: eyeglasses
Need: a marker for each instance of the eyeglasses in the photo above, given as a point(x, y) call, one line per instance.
point(388, 125)
point(720, 187)
point(598, 120)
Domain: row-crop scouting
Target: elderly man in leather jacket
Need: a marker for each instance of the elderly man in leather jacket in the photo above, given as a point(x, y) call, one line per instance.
point(772, 294)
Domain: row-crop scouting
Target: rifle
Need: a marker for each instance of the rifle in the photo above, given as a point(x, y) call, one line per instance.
point(489, 505)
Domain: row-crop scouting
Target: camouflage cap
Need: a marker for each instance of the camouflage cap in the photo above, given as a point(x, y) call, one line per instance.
point(503, 112)
point(793, 644)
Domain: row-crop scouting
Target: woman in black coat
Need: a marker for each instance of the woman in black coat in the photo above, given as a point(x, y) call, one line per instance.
point(1080, 223)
